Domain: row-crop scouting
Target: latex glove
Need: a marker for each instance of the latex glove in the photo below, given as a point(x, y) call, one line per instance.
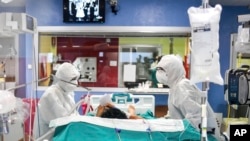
point(167, 115)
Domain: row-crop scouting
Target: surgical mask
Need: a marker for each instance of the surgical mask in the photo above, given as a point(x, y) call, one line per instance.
point(69, 86)
point(162, 77)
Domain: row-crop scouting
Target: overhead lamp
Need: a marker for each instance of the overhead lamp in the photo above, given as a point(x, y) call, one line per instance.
point(6, 1)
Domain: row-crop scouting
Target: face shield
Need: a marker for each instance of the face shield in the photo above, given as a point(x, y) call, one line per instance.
point(170, 69)
point(68, 77)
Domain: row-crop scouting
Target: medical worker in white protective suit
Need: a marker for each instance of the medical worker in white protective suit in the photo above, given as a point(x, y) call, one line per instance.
point(58, 100)
point(184, 100)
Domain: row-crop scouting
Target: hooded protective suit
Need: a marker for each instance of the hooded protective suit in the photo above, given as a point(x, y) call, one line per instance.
point(184, 100)
point(58, 100)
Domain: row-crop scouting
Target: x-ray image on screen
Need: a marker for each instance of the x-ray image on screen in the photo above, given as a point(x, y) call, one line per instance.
point(81, 11)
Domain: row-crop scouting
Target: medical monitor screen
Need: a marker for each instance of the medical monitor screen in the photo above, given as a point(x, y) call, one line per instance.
point(84, 11)
point(29, 23)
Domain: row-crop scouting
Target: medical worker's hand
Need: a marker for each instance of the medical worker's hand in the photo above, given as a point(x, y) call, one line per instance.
point(167, 116)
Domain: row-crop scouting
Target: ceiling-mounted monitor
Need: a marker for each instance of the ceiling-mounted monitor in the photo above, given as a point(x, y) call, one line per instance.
point(16, 23)
point(26, 23)
point(84, 11)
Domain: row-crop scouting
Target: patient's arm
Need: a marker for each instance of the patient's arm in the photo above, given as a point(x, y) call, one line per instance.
point(100, 109)
point(132, 113)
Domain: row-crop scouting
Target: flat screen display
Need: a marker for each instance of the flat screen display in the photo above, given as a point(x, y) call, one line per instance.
point(29, 23)
point(84, 11)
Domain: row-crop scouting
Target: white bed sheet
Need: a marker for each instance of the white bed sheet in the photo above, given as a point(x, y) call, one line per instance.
point(160, 124)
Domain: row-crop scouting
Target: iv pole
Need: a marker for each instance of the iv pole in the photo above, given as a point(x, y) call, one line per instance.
point(205, 3)
point(205, 87)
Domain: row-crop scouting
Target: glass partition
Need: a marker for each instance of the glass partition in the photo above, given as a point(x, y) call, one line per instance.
point(104, 59)
point(8, 62)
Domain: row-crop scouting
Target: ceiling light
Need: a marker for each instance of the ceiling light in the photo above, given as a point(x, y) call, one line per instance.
point(6, 1)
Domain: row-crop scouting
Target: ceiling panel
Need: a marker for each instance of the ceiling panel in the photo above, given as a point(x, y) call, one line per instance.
point(21, 3)
point(13, 3)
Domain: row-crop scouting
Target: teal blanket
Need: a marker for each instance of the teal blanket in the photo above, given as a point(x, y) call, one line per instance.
point(82, 131)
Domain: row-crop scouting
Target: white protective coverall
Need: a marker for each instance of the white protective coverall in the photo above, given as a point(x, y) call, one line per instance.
point(184, 101)
point(58, 100)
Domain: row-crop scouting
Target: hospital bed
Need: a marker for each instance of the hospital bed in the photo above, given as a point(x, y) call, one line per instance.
point(91, 128)
point(143, 103)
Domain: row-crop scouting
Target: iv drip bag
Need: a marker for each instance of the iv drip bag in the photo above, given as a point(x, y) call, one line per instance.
point(205, 64)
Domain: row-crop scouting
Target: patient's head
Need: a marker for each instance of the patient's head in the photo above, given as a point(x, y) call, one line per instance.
point(114, 113)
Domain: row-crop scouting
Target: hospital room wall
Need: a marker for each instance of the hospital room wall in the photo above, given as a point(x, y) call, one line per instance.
point(150, 13)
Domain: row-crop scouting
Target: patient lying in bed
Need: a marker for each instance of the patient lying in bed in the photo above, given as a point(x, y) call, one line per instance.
point(113, 123)
point(110, 111)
